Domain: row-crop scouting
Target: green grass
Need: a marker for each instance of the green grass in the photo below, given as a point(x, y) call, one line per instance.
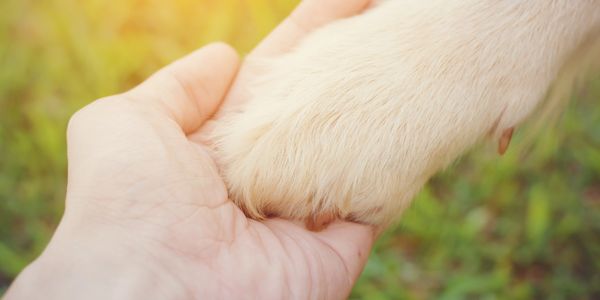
point(526, 225)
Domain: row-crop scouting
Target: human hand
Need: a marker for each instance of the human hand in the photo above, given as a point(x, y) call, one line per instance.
point(147, 215)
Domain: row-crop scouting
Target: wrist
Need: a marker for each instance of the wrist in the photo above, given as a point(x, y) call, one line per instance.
point(93, 268)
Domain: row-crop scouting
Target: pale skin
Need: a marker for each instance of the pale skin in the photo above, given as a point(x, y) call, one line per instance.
point(147, 215)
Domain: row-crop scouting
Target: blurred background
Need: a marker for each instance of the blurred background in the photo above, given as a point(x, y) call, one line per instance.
point(522, 226)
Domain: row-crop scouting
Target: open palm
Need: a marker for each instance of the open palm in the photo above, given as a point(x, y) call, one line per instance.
point(148, 215)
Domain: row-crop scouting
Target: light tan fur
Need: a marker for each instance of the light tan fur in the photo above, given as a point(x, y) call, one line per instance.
point(354, 121)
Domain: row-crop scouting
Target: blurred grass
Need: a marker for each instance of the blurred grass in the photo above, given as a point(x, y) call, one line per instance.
point(518, 227)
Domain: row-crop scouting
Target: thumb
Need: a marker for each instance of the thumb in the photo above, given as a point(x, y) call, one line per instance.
point(191, 89)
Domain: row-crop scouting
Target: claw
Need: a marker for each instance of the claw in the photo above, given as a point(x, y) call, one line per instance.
point(319, 222)
point(505, 140)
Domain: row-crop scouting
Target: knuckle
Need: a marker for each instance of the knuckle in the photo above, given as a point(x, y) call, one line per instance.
point(91, 114)
point(225, 48)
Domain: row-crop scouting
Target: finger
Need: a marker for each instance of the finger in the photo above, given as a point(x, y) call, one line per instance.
point(191, 89)
point(309, 15)
point(352, 242)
